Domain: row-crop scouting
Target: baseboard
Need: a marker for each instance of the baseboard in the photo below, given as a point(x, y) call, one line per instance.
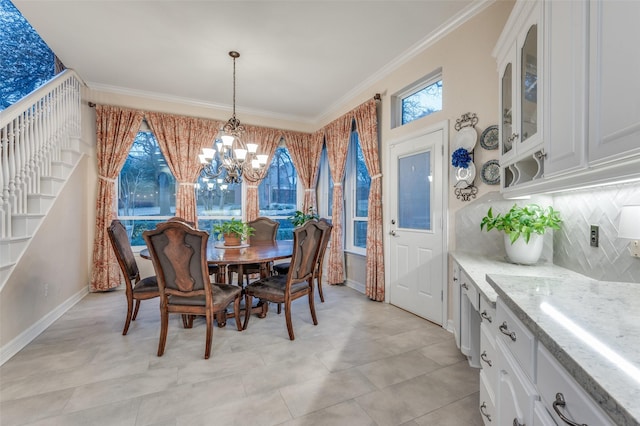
point(356, 286)
point(450, 327)
point(27, 336)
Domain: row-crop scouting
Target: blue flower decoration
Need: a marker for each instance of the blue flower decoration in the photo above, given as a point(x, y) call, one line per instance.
point(460, 158)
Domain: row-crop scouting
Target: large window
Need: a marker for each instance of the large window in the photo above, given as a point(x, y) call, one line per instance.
point(146, 188)
point(357, 184)
point(278, 192)
point(217, 202)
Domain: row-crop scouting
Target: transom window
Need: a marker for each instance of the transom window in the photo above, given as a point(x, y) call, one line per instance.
point(418, 100)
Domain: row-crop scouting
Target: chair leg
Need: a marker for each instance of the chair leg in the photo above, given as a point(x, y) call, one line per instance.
point(229, 277)
point(207, 351)
point(312, 307)
point(135, 311)
point(236, 312)
point(164, 324)
point(248, 300)
point(320, 283)
point(279, 308)
point(127, 321)
point(287, 315)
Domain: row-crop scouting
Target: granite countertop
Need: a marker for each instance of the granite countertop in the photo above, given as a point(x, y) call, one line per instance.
point(591, 327)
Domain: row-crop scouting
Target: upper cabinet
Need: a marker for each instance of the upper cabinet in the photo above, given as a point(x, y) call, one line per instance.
point(569, 89)
point(520, 65)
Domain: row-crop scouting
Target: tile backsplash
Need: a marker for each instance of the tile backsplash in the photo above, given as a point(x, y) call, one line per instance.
point(569, 247)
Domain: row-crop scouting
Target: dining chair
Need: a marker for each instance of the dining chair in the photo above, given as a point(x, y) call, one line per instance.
point(265, 229)
point(179, 255)
point(135, 288)
point(298, 282)
point(213, 269)
point(283, 268)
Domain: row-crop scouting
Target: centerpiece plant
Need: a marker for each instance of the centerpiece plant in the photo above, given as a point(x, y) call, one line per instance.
point(233, 231)
point(523, 227)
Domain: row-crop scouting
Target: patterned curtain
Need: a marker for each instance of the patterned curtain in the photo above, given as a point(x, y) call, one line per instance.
point(305, 150)
point(337, 135)
point(367, 125)
point(267, 140)
point(181, 139)
point(116, 129)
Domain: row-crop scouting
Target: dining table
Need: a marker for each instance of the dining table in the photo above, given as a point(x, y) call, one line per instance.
point(261, 252)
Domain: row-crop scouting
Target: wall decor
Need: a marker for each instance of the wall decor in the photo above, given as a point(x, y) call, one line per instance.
point(489, 139)
point(462, 157)
point(490, 172)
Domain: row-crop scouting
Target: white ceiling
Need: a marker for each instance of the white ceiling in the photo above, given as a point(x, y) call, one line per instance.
point(299, 59)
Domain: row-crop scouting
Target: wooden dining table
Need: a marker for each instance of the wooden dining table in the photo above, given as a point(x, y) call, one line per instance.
point(262, 252)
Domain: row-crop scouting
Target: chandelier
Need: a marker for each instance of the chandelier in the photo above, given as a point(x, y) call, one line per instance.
point(231, 157)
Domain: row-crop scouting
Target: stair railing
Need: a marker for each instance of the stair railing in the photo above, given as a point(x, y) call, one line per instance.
point(33, 132)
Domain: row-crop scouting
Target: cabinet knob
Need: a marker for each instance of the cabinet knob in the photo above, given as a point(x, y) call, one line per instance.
point(504, 329)
point(486, 316)
point(483, 356)
point(465, 286)
point(560, 402)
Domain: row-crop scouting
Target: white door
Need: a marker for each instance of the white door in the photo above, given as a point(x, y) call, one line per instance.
point(415, 240)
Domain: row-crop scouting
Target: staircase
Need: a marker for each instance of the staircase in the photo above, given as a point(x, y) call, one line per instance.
point(40, 145)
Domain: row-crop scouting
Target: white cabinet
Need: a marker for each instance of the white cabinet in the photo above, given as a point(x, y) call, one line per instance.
point(469, 320)
point(455, 292)
point(614, 89)
point(516, 393)
point(520, 65)
point(566, 64)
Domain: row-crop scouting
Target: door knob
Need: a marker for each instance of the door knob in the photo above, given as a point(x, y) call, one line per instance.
point(392, 233)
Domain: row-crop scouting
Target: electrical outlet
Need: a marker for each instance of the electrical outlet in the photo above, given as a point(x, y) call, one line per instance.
point(594, 236)
point(634, 248)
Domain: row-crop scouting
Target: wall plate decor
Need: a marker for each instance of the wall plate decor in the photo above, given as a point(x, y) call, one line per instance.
point(490, 138)
point(466, 138)
point(490, 172)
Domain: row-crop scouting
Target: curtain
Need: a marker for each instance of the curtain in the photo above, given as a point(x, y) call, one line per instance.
point(367, 125)
point(267, 140)
point(116, 129)
point(305, 150)
point(337, 134)
point(181, 139)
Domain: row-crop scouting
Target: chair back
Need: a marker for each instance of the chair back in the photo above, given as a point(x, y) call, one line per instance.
point(179, 255)
point(265, 229)
point(124, 253)
point(328, 227)
point(179, 219)
point(306, 248)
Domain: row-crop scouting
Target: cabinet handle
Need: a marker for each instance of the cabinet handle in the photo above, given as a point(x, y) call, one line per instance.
point(455, 279)
point(482, 408)
point(504, 329)
point(516, 422)
point(560, 402)
point(513, 137)
point(483, 356)
point(465, 286)
point(486, 316)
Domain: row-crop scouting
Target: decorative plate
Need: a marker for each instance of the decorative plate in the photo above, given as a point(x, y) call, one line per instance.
point(490, 138)
point(466, 138)
point(490, 173)
point(467, 175)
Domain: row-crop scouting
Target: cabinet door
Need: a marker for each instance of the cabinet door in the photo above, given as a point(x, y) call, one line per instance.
point(507, 112)
point(529, 89)
point(455, 290)
point(566, 28)
point(614, 106)
point(516, 394)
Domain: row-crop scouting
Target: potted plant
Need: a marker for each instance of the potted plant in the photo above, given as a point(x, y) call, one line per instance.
point(300, 218)
point(233, 231)
point(523, 229)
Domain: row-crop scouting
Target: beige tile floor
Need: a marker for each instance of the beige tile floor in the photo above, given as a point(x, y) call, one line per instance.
point(365, 363)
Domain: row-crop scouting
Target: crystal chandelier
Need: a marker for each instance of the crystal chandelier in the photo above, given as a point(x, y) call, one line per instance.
point(231, 157)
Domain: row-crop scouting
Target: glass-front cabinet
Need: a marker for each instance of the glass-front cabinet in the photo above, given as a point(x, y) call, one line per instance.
point(519, 57)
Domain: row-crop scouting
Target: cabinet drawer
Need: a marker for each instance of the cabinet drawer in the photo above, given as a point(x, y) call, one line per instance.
point(516, 394)
point(487, 311)
point(488, 357)
point(487, 402)
point(469, 290)
point(552, 379)
point(513, 333)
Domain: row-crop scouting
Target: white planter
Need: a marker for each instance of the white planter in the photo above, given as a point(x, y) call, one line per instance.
point(522, 252)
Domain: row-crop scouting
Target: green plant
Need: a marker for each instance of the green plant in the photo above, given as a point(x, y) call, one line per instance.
point(522, 221)
point(233, 227)
point(300, 218)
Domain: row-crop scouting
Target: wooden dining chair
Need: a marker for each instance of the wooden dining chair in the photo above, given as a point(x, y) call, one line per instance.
point(213, 269)
point(179, 255)
point(283, 268)
point(265, 229)
point(298, 282)
point(135, 288)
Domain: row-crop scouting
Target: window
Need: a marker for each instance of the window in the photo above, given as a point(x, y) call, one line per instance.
point(146, 188)
point(217, 202)
point(278, 192)
point(357, 184)
point(418, 100)
point(324, 193)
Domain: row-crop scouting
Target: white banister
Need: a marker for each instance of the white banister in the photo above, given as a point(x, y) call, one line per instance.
point(33, 134)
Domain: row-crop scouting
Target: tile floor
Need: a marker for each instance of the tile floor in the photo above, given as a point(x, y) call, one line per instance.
point(366, 363)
